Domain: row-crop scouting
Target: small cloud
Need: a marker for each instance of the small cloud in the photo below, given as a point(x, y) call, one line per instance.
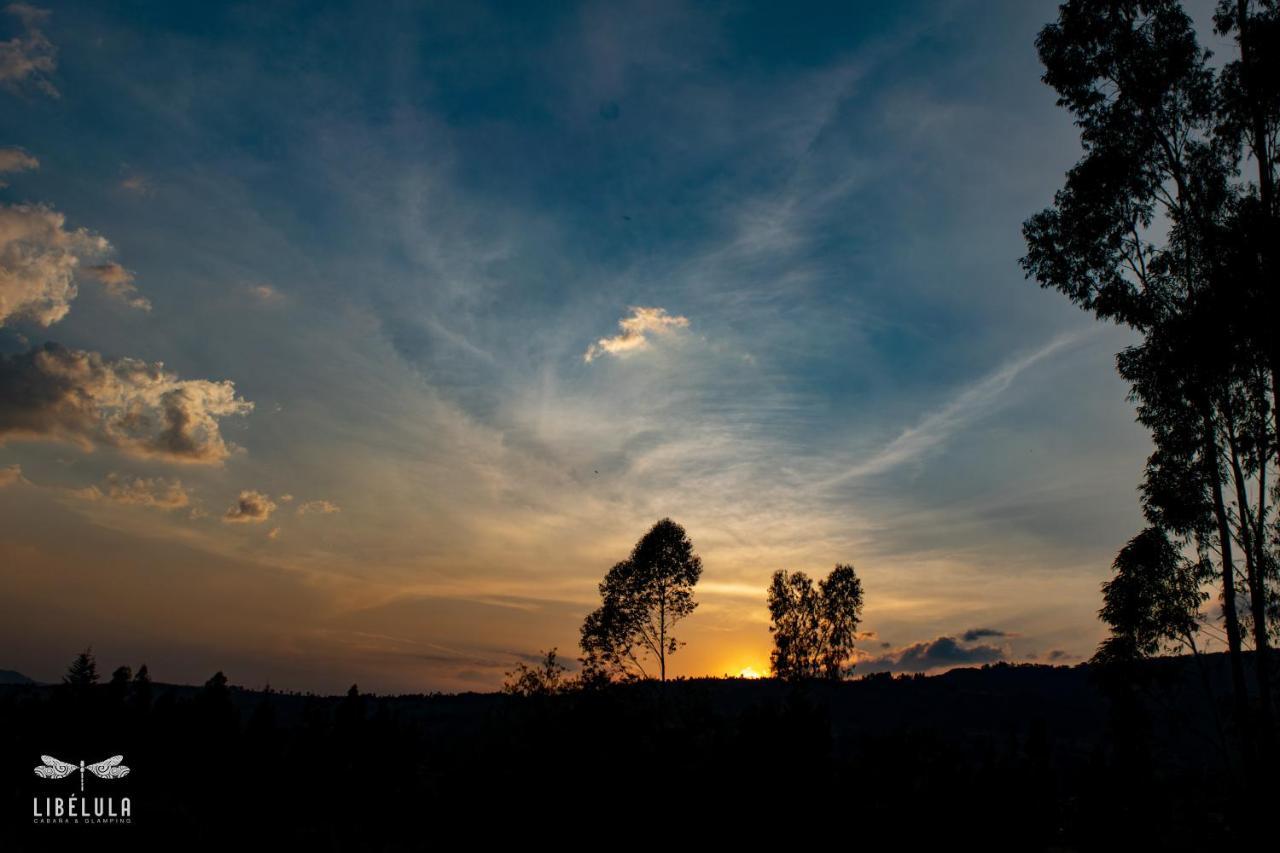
point(635, 331)
point(156, 492)
point(250, 508)
point(284, 499)
point(28, 57)
point(974, 634)
point(321, 507)
point(274, 534)
point(136, 184)
point(11, 475)
point(1059, 654)
point(118, 283)
point(266, 294)
point(16, 160)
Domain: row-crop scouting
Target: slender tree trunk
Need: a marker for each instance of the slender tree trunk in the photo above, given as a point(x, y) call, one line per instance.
point(1253, 572)
point(662, 634)
point(1214, 466)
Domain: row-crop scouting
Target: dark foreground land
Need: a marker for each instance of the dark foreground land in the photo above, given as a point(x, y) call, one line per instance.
point(1008, 757)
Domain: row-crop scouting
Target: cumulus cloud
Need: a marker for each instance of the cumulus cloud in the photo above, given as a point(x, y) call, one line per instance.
point(38, 261)
point(944, 652)
point(321, 507)
point(11, 475)
point(16, 160)
point(250, 508)
point(55, 393)
point(118, 283)
point(156, 492)
point(635, 331)
point(29, 56)
point(974, 634)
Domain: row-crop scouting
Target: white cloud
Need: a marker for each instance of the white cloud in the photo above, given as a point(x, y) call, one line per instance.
point(55, 393)
point(635, 330)
point(38, 261)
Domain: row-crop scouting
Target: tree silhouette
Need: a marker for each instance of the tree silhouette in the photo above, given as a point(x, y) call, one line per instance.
point(794, 614)
point(83, 671)
point(841, 598)
point(1156, 228)
point(814, 630)
point(544, 679)
point(142, 687)
point(1153, 600)
point(642, 599)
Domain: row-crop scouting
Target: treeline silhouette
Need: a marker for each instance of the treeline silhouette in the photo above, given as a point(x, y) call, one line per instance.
point(1023, 757)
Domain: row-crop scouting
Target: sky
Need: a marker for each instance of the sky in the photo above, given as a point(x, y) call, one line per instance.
point(347, 343)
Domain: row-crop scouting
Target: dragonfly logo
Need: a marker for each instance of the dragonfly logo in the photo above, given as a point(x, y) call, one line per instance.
point(82, 809)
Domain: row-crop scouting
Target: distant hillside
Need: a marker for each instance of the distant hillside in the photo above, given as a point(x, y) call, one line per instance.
point(9, 676)
point(1019, 757)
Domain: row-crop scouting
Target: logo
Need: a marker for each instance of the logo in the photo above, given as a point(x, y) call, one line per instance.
point(81, 809)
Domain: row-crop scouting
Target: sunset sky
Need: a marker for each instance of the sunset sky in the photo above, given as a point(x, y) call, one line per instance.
point(355, 343)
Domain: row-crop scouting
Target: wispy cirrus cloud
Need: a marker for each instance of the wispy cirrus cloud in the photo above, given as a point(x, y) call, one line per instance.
point(636, 328)
point(934, 429)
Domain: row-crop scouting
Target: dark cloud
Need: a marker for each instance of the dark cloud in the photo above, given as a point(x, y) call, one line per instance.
point(251, 507)
point(944, 652)
point(60, 394)
point(975, 634)
point(1058, 654)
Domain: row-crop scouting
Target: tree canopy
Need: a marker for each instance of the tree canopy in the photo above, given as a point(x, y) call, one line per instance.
point(641, 600)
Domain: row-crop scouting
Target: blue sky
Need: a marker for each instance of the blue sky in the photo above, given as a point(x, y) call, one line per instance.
point(399, 230)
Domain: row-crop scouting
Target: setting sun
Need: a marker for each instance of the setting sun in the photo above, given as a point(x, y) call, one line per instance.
point(749, 672)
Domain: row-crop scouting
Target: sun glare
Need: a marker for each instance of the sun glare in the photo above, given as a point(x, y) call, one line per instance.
point(749, 672)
